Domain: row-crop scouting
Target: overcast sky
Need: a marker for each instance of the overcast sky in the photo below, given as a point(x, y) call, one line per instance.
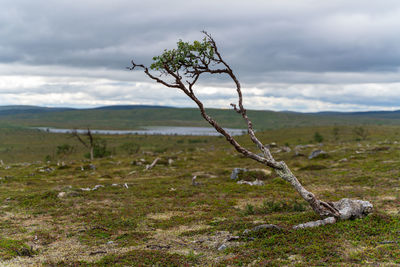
point(301, 55)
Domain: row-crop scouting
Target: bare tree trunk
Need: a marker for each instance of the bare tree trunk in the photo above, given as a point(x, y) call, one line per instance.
point(89, 145)
point(91, 153)
point(149, 167)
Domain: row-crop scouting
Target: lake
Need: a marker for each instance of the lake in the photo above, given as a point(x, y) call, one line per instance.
point(156, 130)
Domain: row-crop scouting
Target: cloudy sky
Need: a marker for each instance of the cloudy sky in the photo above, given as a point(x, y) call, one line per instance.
point(303, 55)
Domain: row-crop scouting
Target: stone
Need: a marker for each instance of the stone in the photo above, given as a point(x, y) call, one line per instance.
point(46, 169)
point(222, 247)
point(273, 144)
point(300, 147)
point(236, 171)
point(86, 189)
point(316, 153)
point(68, 194)
point(261, 227)
point(194, 182)
point(255, 182)
point(92, 189)
point(352, 208)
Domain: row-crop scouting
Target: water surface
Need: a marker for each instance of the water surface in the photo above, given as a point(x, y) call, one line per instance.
point(156, 130)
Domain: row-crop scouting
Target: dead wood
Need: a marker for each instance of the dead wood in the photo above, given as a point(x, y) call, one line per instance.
point(149, 167)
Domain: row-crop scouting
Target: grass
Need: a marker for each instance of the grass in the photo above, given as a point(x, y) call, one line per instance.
point(157, 217)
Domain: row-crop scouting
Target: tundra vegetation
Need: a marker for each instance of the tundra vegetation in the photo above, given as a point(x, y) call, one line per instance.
point(169, 200)
point(161, 218)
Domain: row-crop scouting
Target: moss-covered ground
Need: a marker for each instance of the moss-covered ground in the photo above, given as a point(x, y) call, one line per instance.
point(139, 217)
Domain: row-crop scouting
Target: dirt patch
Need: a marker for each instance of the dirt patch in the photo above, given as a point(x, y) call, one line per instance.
point(242, 203)
point(165, 215)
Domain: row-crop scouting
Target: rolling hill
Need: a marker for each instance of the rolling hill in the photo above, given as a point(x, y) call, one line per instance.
point(133, 117)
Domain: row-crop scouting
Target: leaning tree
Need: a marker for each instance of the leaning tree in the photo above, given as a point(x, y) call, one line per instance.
point(182, 67)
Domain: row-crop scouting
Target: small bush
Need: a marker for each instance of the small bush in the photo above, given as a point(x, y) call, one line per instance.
point(360, 133)
point(64, 150)
point(318, 137)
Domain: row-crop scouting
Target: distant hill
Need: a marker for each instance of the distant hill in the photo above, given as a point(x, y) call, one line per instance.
point(371, 114)
point(136, 116)
point(12, 110)
point(122, 107)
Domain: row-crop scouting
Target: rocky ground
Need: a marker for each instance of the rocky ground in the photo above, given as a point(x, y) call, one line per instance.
point(193, 208)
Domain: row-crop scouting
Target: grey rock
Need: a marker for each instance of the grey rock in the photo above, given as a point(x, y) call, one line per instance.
point(316, 153)
point(261, 227)
point(273, 144)
point(300, 147)
point(194, 182)
point(222, 247)
point(92, 189)
point(352, 208)
point(97, 187)
point(236, 171)
point(255, 182)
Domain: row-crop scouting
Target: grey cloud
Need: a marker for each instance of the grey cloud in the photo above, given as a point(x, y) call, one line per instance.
point(308, 50)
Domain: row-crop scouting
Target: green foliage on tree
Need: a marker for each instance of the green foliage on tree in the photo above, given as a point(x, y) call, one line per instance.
point(360, 133)
point(318, 137)
point(185, 56)
point(99, 149)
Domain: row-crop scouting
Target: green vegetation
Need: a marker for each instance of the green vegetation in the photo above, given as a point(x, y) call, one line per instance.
point(139, 117)
point(318, 137)
point(159, 218)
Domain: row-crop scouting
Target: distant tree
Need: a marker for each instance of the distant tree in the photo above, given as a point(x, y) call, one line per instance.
point(318, 137)
point(360, 133)
point(100, 148)
point(335, 133)
point(88, 143)
point(182, 67)
point(97, 146)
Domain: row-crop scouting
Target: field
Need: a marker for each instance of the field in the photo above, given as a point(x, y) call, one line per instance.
point(134, 117)
point(139, 217)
